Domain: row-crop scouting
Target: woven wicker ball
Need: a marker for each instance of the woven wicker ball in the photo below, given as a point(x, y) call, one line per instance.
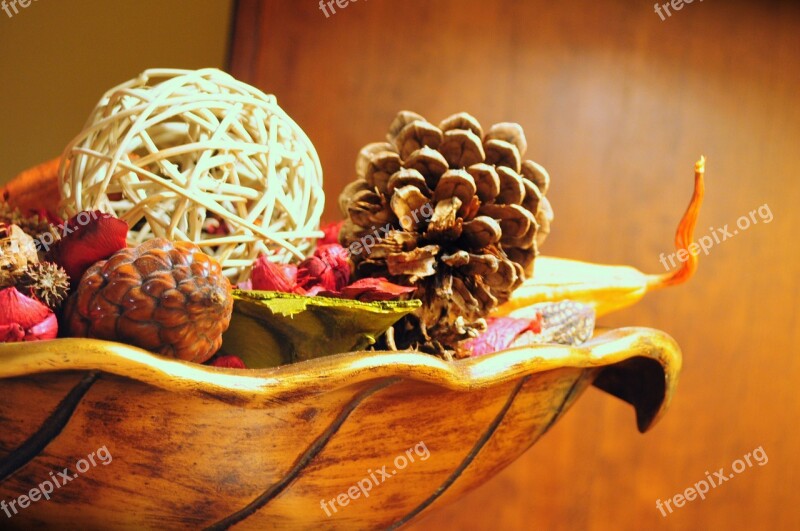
point(198, 156)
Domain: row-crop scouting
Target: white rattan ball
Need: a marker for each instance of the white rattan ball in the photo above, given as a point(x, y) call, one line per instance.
point(201, 157)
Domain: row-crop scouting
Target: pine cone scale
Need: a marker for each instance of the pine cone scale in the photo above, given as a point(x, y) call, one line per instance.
point(419, 263)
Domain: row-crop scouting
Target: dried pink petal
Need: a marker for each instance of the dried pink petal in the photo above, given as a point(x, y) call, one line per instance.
point(329, 268)
point(231, 362)
point(11, 333)
point(47, 329)
point(318, 291)
point(269, 276)
point(290, 271)
point(23, 318)
point(375, 289)
point(500, 333)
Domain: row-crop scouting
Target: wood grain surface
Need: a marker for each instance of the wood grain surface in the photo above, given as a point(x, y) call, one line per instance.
point(197, 447)
point(617, 104)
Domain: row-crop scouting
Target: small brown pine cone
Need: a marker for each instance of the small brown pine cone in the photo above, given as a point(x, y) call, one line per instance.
point(451, 210)
point(165, 297)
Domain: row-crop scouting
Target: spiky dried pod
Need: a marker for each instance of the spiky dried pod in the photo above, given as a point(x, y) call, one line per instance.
point(46, 281)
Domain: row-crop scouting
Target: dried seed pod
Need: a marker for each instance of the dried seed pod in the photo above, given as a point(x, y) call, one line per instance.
point(33, 225)
point(17, 250)
point(47, 281)
point(606, 288)
point(165, 297)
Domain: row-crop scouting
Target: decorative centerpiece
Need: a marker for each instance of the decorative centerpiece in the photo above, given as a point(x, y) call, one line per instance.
point(192, 319)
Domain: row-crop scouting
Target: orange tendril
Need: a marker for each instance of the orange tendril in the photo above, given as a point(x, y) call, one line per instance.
point(684, 235)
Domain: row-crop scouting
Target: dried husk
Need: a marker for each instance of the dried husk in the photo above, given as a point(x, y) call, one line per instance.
point(17, 250)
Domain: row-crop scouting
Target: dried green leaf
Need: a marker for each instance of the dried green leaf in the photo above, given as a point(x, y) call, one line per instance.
point(270, 328)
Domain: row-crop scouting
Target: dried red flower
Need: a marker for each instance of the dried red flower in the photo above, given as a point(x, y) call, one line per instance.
point(329, 269)
point(25, 319)
point(375, 289)
point(231, 362)
point(88, 238)
point(501, 333)
point(269, 276)
point(325, 274)
point(290, 271)
point(331, 231)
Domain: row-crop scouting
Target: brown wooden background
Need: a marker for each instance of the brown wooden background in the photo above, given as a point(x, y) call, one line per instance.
point(617, 105)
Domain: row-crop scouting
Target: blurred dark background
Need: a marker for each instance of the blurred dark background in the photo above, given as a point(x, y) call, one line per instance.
point(618, 105)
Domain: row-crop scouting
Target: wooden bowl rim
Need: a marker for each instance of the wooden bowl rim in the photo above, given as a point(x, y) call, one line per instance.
point(331, 372)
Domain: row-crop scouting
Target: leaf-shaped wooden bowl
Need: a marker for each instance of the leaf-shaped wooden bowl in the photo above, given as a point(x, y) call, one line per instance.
point(200, 447)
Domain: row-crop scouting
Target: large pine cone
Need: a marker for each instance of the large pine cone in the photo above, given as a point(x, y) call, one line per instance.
point(451, 211)
point(165, 297)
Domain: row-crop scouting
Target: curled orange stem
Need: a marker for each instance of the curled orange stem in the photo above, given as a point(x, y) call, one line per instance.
point(685, 234)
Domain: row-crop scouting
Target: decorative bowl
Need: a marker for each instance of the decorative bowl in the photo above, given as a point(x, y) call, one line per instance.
point(187, 446)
